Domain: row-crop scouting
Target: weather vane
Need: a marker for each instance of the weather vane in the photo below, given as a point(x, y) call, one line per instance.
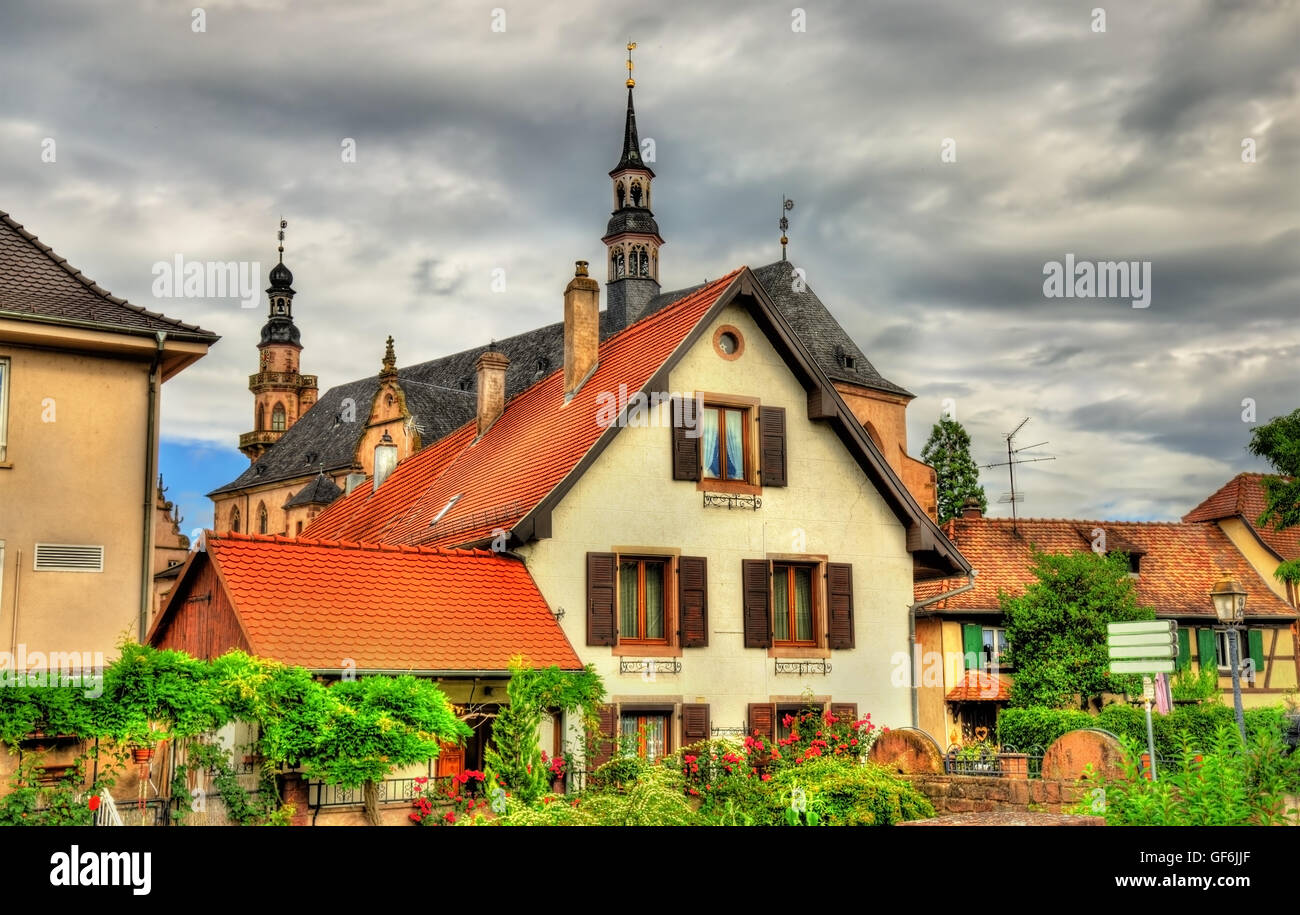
point(284, 224)
point(786, 206)
point(631, 46)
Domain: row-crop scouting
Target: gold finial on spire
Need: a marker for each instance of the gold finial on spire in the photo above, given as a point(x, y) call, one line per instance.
point(284, 224)
point(631, 46)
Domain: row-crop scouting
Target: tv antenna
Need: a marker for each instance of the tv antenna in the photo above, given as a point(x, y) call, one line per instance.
point(1010, 463)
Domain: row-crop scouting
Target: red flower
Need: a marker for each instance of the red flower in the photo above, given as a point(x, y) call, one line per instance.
point(766, 777)
point(94, 802)
point(420, 780)
point(853, 742)
point(449, 816)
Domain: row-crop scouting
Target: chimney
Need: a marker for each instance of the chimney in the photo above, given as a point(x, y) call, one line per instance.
point(491, 368)
point(581, 329)
point(970, 509)
point(385, 459)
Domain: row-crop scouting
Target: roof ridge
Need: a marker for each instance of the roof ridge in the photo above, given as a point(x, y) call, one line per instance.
point(352, 545)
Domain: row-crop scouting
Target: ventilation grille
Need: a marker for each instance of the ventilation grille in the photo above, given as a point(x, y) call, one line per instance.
point(63, 557)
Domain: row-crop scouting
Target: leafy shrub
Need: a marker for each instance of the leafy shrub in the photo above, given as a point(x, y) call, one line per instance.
point(655, 798)
point(842, 792)
point(1226, 785)
point(619, 773)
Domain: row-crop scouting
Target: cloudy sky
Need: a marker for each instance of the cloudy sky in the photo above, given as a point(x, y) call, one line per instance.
point(479, 149)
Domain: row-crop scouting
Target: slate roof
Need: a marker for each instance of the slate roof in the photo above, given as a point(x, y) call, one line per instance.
point(1243, 497)
point(320, 491)
point(440, 393)
point(1180, 563)
point(314, 603)
point(38, 285)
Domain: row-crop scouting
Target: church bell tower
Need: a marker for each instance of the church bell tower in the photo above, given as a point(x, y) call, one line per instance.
point(632, 239)
point(280, 393)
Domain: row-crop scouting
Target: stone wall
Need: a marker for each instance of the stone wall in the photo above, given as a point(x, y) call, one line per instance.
point(988, 793)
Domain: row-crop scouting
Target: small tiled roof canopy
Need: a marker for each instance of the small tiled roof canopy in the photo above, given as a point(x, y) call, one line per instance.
point(1180, 563)
point(315, 603)
point(1243, 497)
point(38, 285)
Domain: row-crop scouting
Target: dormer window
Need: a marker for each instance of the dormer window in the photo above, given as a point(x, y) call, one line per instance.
point(1134, 564)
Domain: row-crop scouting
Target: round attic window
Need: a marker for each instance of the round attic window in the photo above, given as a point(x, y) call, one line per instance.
point(728, 343)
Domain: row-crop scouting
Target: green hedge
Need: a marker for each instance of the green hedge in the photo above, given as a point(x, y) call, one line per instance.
point(1038, 727)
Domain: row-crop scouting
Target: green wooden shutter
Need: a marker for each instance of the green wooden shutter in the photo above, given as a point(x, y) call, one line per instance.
point(1256, 639)
point(1184, 648)
point(972, 643)
point(1206, 648)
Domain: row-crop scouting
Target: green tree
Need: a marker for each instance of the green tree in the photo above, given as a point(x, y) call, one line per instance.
point(1056, 630)
point(956, 476)
point(1278, 442)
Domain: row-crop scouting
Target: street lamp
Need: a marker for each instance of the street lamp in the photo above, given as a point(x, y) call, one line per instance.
point(1229, 599)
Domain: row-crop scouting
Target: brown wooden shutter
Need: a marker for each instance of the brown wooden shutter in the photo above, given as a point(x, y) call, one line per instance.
point(756, 585)
point(839, 603)
point(844, 712)
point(771, 437)
point(695, 723)
point(601, 629)
point(762, 718)
point(606, 737)
point(686, 450)
point(693, 601)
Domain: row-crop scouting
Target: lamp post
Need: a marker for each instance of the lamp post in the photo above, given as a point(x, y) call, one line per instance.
point(1229, 599)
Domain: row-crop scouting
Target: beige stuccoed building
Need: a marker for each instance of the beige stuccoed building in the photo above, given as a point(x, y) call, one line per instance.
point(81, 376)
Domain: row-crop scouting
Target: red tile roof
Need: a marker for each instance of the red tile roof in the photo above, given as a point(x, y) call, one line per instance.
point(1243, 496)
point(315, 603)
point(526, 453)
point(980, 686)
point(1179, 565)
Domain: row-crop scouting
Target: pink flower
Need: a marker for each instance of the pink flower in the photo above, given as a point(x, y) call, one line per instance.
point(766, 777)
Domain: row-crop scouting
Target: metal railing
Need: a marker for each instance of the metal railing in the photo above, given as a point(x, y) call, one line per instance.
point(985, 759)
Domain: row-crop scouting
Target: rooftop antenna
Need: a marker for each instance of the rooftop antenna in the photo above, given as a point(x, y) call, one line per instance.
point(786, 206)
point(1010, 463)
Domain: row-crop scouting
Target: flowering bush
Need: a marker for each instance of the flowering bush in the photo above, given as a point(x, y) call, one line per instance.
point(815, 733)
point(557, 764)
point(455, 803)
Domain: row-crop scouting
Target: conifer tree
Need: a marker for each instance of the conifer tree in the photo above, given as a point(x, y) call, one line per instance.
point(956, 476)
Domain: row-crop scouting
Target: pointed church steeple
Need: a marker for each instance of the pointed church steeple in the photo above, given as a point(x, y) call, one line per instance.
point(281, 393)
point(632, 239)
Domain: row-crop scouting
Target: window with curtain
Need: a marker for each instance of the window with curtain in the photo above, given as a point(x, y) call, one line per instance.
point(641, 604)
point(792, 605)
point(994, 646)
point(724, 442)
point(644, 734)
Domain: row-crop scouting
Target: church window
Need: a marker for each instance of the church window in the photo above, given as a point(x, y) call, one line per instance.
point(645, 263)
point(621, 192)
point(261, 519)
point(261, 417)
point(277, 418)
point(636, 193)
point(279, 306)
point(617, 256)
point(234, 519)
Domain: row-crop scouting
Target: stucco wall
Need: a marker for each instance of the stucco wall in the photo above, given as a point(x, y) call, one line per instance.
point(76, 480)
point(628, 499)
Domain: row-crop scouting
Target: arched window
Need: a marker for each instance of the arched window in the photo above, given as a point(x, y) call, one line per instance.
point(234, 519)
point(636, 193)
point(261, 417)
point(261, 518)
point(277, 418)
point(621, 193)
point(644, 265)
point(617, 256)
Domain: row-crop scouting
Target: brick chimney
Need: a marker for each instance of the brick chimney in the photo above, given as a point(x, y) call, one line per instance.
point(491, 368)
point(581, 329)
point(970, 509)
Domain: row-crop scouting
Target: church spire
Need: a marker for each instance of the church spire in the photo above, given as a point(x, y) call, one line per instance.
point(632, 239)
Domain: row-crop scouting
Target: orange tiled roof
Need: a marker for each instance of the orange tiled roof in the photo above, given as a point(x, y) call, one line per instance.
point(1180, 562)
point(529, 450)
point(314, 603)
point(1244, 496)
point(980, 686)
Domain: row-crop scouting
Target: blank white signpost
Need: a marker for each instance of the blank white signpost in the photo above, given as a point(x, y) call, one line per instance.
point(1144, 648)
